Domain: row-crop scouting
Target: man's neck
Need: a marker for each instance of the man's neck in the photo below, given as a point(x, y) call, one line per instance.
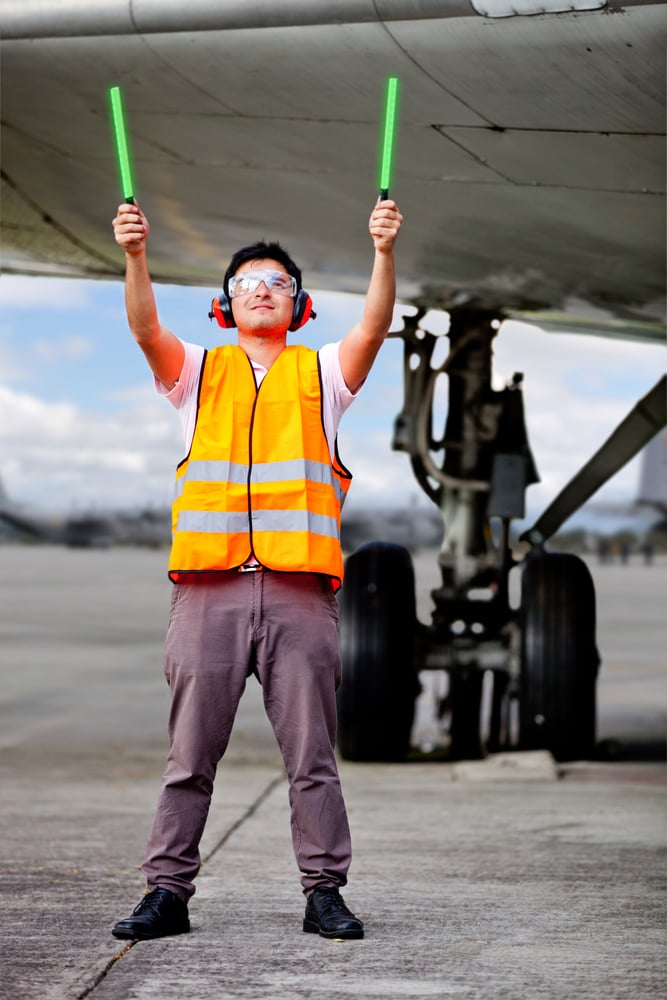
point(263, 350)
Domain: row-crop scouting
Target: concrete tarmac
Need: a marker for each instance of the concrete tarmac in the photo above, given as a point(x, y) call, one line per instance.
point(508, 878)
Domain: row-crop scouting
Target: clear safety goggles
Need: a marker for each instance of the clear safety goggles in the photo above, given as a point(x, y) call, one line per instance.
point(249, 281)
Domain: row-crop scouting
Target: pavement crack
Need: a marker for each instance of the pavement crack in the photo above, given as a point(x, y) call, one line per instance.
point(250, 811)
point(105, 971)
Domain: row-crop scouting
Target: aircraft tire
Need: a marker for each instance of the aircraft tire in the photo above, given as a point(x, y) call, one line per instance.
point(559, 657)
point(376, 698)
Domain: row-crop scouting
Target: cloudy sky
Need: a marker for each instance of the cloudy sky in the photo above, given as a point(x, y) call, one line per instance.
point(81, 426)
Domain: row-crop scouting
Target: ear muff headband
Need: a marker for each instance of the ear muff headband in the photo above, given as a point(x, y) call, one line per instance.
point(221, 310)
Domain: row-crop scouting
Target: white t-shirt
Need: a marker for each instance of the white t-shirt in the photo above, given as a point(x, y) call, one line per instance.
point(336, 397)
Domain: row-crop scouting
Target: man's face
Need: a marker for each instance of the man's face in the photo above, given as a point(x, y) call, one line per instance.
point(264, 310)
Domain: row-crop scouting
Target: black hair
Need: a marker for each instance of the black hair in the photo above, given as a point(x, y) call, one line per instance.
point(262, 251)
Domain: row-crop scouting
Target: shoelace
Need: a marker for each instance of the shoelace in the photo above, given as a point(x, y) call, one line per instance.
point(148, 903)
point(333, 902)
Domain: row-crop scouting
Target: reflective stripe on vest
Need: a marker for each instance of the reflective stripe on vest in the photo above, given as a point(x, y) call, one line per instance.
point(259, 480)
point(263, 472)
point(214, 521)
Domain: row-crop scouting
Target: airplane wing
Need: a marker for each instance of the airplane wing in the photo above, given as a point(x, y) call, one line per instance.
point(530, 160)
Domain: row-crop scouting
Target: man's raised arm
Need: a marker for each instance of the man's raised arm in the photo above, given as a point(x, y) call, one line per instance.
point(164, 351)
point(360, 346)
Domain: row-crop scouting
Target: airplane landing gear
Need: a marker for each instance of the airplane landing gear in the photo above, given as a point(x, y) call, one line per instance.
point(475, 466)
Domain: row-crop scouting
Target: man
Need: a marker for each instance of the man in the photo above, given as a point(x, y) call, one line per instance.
point(256, 557)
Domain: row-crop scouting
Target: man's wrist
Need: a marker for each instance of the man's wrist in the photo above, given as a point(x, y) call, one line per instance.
point(136, 261)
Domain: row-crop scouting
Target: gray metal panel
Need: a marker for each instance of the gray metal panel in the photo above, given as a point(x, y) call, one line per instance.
point(599, 161)
point(586, 72)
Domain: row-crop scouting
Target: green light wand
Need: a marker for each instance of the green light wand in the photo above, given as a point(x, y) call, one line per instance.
point(391, 100)
point(122, 148)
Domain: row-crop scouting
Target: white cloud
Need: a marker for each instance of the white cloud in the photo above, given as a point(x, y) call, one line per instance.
point(382, 477)
point(12, 366)
point(20, 291)
point(67, 348)
point(58, 456)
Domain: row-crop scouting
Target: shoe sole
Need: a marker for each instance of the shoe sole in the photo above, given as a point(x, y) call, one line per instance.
point(349, 935)
point(124, 935)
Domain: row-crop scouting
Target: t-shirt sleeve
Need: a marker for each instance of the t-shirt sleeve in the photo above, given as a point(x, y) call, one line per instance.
point(183, 396)
point(336, 397)
point(188, 381)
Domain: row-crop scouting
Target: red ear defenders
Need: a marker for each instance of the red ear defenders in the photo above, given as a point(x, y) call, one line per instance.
point(221, 309)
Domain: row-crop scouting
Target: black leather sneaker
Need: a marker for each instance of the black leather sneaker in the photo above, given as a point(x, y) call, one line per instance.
point(158, 914)
point(328, 916)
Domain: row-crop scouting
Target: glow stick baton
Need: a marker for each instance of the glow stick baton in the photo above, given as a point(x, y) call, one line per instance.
point(391, 99)
point(122, 148)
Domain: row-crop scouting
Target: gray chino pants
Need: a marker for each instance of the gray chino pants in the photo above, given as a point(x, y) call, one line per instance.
point(283, 627)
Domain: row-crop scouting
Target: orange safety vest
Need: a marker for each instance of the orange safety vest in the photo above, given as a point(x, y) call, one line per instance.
point(259, 480)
